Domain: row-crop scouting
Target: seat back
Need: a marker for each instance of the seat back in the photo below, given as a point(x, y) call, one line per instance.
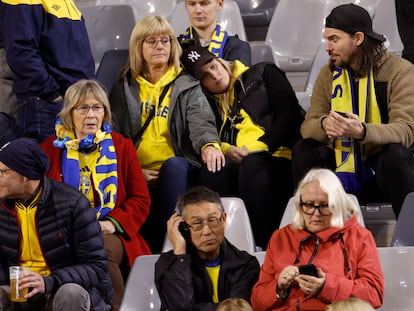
point(229, 17)
point(403, 230)
point(295, 50)
point(238, 228)
point(109, 27)
point(261, 52)
point(110, 66)
point(287, 215)
point(398, 270)
point(140, 291)
point(260, 256)
point(144, 8)
point(321, 58)
point(385, 22)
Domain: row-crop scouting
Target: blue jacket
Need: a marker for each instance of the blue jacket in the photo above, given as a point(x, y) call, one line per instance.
point(70, 238)
point(47, 46)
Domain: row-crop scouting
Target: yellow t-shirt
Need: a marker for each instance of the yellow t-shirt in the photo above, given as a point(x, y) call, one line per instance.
point(86, 186)
point(31, 252)
point(213, 273)
point(155, 146)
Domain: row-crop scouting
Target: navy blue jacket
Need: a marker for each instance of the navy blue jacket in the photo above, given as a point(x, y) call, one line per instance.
point(47, 46)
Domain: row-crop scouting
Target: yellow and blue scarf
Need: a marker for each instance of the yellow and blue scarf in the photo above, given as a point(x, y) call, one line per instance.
point(348, 151)
point(105, 173)
point(217, 42)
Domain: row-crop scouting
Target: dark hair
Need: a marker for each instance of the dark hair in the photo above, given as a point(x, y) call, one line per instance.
point(369, 54)
point(196, 195)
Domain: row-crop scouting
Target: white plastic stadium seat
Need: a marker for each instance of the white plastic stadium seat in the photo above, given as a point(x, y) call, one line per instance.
point(287, 215)
point(398, 269)
point(109, 28)
point(403, 230)
point(261, 52)
point(238, 229)
point(229, 18)
point(140, 291)
point(260, 256)
point(321, 58)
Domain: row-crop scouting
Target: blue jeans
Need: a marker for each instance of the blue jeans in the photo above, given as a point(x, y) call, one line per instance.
point(37, 117)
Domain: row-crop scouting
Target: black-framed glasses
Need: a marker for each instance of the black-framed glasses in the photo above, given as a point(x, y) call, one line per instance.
point(97, 109)
point(152, 42)
point(212, 223)
point(309, 208)
point(2, 172)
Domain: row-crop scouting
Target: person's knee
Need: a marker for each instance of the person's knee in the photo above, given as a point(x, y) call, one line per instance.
point(71, 296)
point(175, 164)
point(395, 157)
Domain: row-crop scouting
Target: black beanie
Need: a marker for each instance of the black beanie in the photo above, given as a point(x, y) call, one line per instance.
point(25, 156)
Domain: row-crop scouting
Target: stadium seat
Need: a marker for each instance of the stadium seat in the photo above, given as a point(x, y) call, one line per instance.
point(385, 22)
point(398, 270)
point(109, 27)
point(140, 291)
point(261, 52)
point(287, 215)
point(260, 256)
point(321, 58)
point(403, 230)
point(256, 17)
point(144, 8)
point(110, 66)
point(238, 229)
point(229, 17)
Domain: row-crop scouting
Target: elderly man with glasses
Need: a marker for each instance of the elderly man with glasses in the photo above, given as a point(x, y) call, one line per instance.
point(203, 268)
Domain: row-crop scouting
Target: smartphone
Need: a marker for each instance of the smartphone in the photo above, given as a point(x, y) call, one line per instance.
point(185, 232)
point(309, 269)
point(342, 113)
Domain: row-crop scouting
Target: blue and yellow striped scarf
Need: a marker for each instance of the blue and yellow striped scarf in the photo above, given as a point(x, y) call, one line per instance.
point(105, 172)
point(217, 41)
point(348, 151)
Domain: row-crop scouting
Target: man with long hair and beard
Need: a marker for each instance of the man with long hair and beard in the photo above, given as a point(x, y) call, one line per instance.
point(361, 120)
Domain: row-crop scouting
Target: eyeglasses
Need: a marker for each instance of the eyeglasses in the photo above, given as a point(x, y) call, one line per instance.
point(85, 109)
point(212, 223)
point(4, 171)
point(152, 42)
point(309, 208)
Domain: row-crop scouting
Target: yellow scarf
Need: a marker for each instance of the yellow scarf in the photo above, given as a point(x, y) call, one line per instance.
point(217, 41)
point(348, 150)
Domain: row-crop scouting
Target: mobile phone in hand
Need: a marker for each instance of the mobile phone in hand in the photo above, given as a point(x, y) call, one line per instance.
point(343, 114)
point(309, 269)
point(184, 230)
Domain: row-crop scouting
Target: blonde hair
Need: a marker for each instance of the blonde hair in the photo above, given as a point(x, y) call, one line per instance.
point(350, 304)
point(77, 93)
point(150, 26)
point(341, 205)
point(234, 304)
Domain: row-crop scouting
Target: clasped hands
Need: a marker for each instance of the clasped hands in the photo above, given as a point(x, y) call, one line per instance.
point(336, 125)
point(309, 284)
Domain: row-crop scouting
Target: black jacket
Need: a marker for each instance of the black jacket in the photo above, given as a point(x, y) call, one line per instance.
point(70, 238)
point(183, 283)
point(265, 93)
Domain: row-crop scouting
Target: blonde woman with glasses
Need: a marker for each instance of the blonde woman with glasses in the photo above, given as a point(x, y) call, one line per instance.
point(169, 119)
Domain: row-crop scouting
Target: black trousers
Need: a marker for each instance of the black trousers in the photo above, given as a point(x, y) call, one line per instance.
point(265, 185)
point(405, 23)
point(394, 175)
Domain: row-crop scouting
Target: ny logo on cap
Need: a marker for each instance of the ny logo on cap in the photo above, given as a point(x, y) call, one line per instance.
point(193, 56)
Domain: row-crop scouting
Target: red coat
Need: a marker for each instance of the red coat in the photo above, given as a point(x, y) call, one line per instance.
point(133, 200)
point(364, 281)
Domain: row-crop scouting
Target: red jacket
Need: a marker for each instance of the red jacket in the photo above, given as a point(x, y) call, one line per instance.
point(364, 279)
point(133, 200)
